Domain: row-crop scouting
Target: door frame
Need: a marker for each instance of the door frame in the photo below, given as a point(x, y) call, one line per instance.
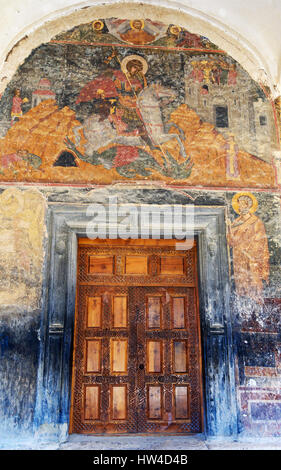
point(67, 222)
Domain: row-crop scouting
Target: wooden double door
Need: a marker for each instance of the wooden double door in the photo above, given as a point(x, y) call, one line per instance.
point(137, 361)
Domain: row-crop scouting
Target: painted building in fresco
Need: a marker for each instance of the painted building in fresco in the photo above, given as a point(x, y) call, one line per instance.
point(153, 114)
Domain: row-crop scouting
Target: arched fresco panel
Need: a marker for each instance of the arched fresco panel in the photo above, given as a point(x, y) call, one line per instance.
point(122, 100)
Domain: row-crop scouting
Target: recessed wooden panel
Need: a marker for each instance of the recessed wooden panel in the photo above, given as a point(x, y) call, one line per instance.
point(92, 402)
point(153, 312)
point(119, 356)
point(178, 312)
point(119, 311)
point(101, 264)
point(94, 309)
point(93, 355)
point(136, 265)
point(118, 402)
point(172, 265)
point(180, 357)
point(181, 401)
point(154, 356)
point(154, 401)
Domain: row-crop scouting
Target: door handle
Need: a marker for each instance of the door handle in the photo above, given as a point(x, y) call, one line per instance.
point(141, 366)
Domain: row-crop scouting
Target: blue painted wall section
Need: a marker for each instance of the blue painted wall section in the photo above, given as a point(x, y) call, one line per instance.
point(18, 370)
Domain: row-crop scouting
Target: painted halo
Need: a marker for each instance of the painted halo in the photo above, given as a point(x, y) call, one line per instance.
point(175, 29)
point(98, 25)
point(12, 202)
point(132, 24)
point(244, 193)
point(134, 57)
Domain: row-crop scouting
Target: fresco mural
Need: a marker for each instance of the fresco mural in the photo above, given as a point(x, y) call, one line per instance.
point(118, 100)
point(248, 240)
point(21, 250)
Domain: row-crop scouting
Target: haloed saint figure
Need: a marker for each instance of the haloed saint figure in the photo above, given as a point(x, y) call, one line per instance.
point(247, 237)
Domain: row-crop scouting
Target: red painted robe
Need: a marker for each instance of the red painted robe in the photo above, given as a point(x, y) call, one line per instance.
point(16, 107)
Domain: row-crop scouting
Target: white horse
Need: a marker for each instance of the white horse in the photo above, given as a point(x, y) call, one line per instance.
point(149, 106)
point(102, 133)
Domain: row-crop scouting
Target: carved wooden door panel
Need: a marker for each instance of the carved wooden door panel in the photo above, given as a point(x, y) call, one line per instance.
point(105, 362)
point(137, 358)
point(169, 374)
